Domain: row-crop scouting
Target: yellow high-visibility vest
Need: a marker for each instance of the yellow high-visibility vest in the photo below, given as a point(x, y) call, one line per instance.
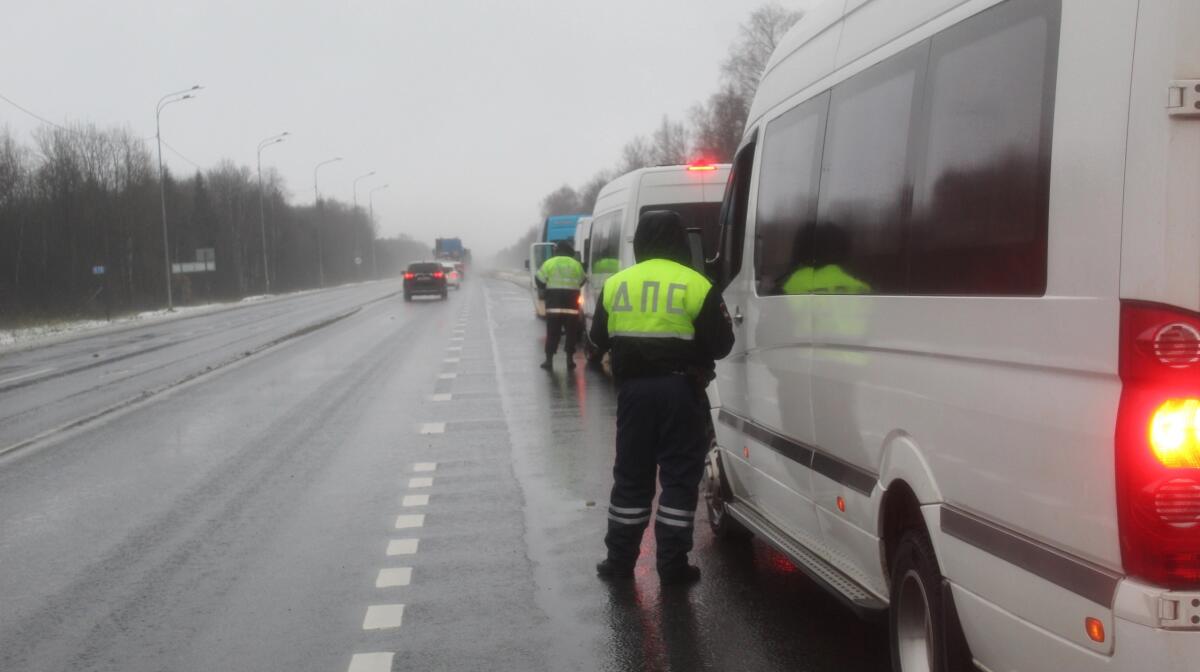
point(561, 273)
point(657, 298)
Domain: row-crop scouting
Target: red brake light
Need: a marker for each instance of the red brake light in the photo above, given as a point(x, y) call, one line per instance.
point(438, 274)
point(701, 165)
point(408, 276)
point(579, 300)
point(1158, 445)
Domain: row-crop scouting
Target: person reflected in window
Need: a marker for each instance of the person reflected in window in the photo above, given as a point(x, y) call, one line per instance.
point(831, 247)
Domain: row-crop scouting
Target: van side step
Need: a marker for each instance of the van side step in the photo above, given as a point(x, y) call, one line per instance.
point(865, 604)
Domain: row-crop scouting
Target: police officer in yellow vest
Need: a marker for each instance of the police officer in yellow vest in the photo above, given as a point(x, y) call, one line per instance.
point(665, 325)
point(561, 277)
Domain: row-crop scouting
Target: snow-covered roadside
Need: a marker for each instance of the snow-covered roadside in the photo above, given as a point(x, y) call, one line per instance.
point(14, 339)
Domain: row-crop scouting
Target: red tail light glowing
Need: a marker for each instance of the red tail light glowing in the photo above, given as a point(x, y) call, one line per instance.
point(408, 276)
point(438, 274)
point(701, 165)
point(1158, 445)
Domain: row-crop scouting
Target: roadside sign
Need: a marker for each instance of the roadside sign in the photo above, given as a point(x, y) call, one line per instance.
point(97, 270)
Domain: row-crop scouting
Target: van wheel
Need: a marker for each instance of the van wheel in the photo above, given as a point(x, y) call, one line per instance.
point(925, 634)
point(716, 495)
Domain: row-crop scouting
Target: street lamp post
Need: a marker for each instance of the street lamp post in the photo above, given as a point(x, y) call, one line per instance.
point(317, 202)
point(262, 216)
point(356, 247)
point(175, 97)
point(371, 206)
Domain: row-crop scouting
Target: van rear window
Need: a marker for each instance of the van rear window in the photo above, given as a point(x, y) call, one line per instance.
point(704, 216)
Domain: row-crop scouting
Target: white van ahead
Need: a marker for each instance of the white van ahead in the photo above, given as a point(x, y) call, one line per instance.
point(693, 190)
point(961, 248)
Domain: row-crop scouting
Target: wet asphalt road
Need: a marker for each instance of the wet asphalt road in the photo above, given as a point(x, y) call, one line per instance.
point(262, 517)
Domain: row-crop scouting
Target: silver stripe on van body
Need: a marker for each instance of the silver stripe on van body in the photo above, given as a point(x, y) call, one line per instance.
point(653, 334)
point(852, 476)
point(1085, 579)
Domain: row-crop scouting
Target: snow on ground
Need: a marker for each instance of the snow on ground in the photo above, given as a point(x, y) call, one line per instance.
point(11, 339)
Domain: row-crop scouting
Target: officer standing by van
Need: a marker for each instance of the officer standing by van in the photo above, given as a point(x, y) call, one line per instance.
point(665, 325)
point(561, 277)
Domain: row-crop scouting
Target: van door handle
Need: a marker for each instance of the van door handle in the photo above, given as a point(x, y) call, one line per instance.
point(737, 315)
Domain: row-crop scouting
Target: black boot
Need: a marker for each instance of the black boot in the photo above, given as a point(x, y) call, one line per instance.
point(680, 575)
point(570, 361)
point(549, 363)
point(609, 570)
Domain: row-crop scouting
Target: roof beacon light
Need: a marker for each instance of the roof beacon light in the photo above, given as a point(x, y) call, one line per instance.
point(701, 165)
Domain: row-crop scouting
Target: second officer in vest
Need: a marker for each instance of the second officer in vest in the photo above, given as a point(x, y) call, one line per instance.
point(561, 277)
point(665, 325)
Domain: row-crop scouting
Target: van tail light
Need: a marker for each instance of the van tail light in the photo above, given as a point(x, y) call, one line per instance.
point(1158, 444)
point(408, 276)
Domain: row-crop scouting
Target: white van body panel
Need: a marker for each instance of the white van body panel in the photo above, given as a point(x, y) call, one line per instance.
point(998, 412)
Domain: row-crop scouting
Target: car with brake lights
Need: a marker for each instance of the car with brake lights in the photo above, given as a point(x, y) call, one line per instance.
point(425, 278)
point(453, 277)
point(960, 248)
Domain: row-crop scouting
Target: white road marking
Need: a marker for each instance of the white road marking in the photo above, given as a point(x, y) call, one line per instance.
point(454, 348)
point(23, 376)
point(425, 466)
point(452, 360)
point(447, 376)
point(420, 482)
point(457, 339)
point(393, 576)
point(441, 396)
point(403, 546)
point(410, 520)
point(383, 616)
point(371, 662)
point(433, 428)
point(415, 500)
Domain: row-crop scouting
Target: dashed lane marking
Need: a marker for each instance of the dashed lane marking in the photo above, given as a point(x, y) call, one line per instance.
point(393, 576)
point(442, 396)
point(420, 482)
point(383, 616)
point(402, 546)
point(425, 466)
point(408, 521)
point(454, 348)
point(452, 360)
point(433, 428)
point(371, 662)
point(457, 339)
point(447, 376)
point(415, 500)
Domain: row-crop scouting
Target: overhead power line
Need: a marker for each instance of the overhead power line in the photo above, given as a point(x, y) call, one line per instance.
point(31, 113)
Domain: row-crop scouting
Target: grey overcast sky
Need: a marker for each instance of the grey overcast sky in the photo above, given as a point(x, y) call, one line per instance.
point(470, 110)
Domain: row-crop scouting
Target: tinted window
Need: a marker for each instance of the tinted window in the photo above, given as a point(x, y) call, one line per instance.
point(787, 194)
point(859, 237)
point(733, 215)
point(424, 267)
point(982, 192)
point(606, 243)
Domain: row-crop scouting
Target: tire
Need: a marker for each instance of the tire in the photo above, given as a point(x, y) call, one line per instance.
point(924, 632)
point(716, 492)
point(445, 294)
point(407, 297)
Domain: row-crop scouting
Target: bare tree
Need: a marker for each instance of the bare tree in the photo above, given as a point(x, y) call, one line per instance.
point(756, 41)
point(637, 153)
point(718, 124)
point(561, 201)
point(670, 143)
point(591, 190)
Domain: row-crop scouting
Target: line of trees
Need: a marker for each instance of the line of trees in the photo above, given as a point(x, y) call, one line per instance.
point(82, 197)
point(713, 129)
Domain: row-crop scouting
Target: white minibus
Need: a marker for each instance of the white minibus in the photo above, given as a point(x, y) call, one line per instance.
point(693, 190)
point(961, 250)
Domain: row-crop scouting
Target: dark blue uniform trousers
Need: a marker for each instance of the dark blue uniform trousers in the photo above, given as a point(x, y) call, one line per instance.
point(660, 424)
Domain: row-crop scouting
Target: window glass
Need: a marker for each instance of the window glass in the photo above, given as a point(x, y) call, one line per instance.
point(606, 244)
point(424, 267)
point(733, 216)
point(859, 237)
point(982, 192)
point(787, 194)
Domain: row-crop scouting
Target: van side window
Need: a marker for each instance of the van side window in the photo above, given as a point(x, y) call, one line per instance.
point(786, 213)
point(733, 215)
point(982, 190)
point(606, 244)
point(865, 184)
